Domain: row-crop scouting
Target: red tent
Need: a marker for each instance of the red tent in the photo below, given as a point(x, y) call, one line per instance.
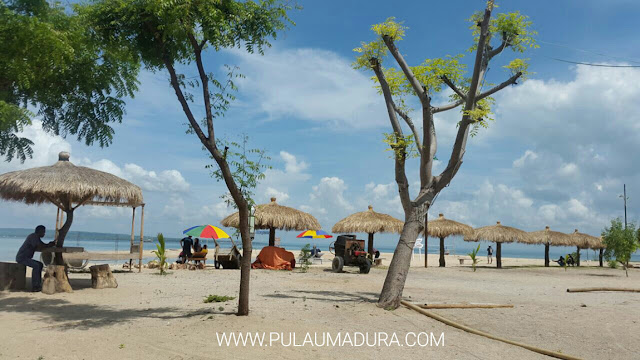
point(274, 258)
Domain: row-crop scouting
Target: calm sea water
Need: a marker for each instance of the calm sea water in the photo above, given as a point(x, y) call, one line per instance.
point(12, 239)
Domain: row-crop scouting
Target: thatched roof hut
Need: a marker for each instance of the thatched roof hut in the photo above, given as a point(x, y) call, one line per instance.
point(442, 228)
point(548, 238)
point(275, 216)
point(64, 184)
point(583, 241)
point(499, 234)
point(369, 222)
point(68, 186)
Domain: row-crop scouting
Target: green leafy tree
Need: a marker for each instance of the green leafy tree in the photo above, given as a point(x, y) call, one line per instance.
point(161, 254)
point(620, 242)
point(53, 67)
point(492, 36)
point(173, 35)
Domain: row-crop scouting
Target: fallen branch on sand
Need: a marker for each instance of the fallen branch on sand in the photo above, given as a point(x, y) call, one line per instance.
point(481, 333)
point(602, 289)
point(465, 306)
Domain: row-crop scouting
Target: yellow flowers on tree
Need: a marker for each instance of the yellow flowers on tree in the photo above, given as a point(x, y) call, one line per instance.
point(396, 84)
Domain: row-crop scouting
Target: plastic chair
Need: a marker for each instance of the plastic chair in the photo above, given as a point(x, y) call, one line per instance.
point(417, 246)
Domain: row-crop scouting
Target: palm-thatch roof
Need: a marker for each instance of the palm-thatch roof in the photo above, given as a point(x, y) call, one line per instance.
point(276, 216)
point(64, 184)
point(497, 233)
point(442, 227)
point(547, 236)
point(599, 244)
point(583, 241)
point(368, 222)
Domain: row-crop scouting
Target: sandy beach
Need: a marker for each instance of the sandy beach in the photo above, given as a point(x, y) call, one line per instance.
point(164, 317)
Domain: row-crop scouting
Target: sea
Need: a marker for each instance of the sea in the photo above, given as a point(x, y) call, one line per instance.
point(12, 238)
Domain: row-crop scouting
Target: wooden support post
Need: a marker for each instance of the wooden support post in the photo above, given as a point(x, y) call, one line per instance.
point(578, 256)
point(272, 236)
point(55, 234)
point(426, 239)
point(133, 225)
point(546, 255)
point(499, 255)
point(601, 253)
point(442, 261)
point(141, 236)
point(370, 246)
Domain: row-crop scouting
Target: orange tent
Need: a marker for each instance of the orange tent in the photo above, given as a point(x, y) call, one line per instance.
point(274, 258)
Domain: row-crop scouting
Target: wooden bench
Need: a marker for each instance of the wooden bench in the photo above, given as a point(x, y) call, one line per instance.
point(13, 276)
point(198, 257)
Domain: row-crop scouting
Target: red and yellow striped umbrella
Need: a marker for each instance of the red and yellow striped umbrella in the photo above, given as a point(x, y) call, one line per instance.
point(206, 232)
point(314, 234)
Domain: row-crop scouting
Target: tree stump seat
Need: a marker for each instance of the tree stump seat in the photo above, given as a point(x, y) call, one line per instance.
point(55, 280)
point(12, 276)
point(102, 278)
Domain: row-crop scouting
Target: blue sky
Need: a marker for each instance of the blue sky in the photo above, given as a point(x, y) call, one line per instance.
point(560, 148)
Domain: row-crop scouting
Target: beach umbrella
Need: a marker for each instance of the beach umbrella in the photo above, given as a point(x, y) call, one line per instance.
point(314, 234)
point(582, 241)
point(68, 186)
point(369, 222)
point(498, 234)
point(274, 216)
point(548, 238)
point(206, 232)
point(442, 228)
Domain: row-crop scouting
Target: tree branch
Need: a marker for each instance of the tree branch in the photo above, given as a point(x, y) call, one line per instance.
point(511, 80)
point(415, 84)
point(401, 176)
point(453, 87)
point(409, 122)
point(449, 106)
point(204, 79)
point(499, 49)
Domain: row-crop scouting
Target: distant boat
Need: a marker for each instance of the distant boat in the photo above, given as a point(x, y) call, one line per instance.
point(147, 240)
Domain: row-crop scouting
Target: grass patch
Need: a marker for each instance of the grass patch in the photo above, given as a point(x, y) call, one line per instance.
point(217, 298)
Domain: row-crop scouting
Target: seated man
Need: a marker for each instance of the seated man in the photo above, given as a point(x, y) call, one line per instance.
point(315, 252)
point(570, 260)
point(25, 256)
point(560, 261)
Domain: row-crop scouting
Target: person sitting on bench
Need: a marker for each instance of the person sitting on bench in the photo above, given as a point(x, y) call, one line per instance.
point(570, 260)
point(560, 261)
point(25, 256)
point(315, 252)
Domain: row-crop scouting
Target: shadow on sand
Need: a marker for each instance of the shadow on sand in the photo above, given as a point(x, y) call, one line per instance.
point(330, 296)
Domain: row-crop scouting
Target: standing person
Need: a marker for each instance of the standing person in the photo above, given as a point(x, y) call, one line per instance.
point(490, 255)
point(186, 244)
point(25, 256)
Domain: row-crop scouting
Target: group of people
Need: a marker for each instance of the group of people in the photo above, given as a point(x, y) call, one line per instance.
point(187, 244)
point(570, 261)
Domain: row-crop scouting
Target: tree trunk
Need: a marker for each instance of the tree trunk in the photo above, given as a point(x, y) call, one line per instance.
point(578, 256)
point(272, 237)
point(101, 277)
point(391, 294)
point(499, 255)
point(546, 255)
point(600, 257)
point(370, 245)
point(245, 263)
point(442, 262)
point(55, 280)
point(62, 233)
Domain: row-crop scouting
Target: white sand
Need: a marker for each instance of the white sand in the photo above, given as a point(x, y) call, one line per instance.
point(163, 317)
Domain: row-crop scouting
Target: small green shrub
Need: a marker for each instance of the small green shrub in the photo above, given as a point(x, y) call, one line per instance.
point(305, 255)
point(474, 257)
point(160, 253)
point(612, 264)
point(217, 298)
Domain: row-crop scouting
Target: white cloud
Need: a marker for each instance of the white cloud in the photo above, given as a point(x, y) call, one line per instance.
point(280, 183)
point(292, 165)
point(330, 193)
point(280, 196)
point(45, 147)
point(313, 84)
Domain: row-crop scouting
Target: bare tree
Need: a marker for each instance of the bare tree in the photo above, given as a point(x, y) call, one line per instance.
point(423, 81)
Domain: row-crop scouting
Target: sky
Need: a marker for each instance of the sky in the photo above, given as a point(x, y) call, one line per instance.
point(561, 146)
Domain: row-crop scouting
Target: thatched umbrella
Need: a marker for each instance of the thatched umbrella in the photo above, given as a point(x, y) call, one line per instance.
point(67, 186)
point(499, 234)
point(548, 238)
point(369, 222)
point(442, 228)
point(273, 216)
point(582, 241)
